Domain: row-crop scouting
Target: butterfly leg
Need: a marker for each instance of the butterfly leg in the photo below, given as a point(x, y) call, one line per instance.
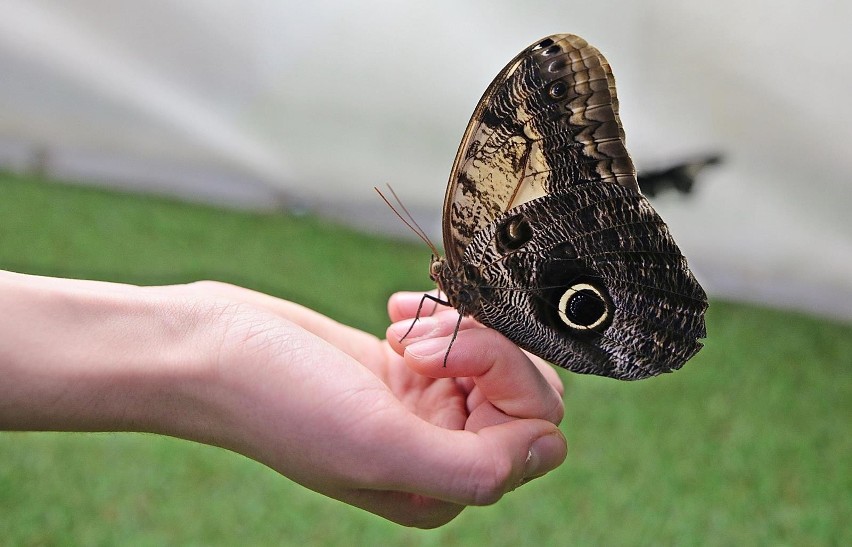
point(420, 308)
point(453, 339)
point(435, 303)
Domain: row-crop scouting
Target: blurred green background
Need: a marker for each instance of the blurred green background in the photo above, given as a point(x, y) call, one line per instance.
point(748, 444)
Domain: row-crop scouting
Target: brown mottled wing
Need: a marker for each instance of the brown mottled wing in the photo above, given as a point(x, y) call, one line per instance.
point(548, 121)
point(607, 236)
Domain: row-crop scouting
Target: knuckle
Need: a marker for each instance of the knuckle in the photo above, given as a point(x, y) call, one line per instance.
point(556, 411)
point(210, 286)
point(491, 479)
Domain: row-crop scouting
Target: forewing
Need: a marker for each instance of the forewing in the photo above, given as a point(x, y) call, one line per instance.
point(548, 120)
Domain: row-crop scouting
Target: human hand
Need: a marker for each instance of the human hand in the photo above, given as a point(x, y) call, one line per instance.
point(379, 425)
point(383, 425)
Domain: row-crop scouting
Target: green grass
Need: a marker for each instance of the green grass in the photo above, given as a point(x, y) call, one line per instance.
point(749, 444)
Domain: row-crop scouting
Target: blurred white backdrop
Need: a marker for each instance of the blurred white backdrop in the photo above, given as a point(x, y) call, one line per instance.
point(274, 104)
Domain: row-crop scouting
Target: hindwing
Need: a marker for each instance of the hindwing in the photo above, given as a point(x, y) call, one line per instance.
point(647, 313)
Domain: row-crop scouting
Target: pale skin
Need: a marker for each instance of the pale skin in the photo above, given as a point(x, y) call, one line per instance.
point(378, 424)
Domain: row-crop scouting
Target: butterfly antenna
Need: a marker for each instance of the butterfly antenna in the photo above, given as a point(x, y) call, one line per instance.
point(410, 222)
point(409, 215)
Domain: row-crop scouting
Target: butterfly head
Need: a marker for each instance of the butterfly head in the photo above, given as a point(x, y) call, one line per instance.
point(436, 267)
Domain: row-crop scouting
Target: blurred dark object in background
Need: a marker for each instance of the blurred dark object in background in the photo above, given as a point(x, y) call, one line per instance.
point(680, 177)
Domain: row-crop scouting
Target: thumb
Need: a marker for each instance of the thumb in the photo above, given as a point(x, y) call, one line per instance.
point(478, 468)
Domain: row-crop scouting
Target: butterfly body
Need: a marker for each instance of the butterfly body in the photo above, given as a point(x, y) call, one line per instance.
point(548, 239)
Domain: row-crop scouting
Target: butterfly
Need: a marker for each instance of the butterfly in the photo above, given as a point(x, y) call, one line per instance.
point(548, 239)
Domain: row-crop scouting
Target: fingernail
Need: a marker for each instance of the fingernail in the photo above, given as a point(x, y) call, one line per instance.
point(546, 453)
point(429, 347)
point(420, 328)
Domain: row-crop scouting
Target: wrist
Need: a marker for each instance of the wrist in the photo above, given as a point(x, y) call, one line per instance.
point(91, 356)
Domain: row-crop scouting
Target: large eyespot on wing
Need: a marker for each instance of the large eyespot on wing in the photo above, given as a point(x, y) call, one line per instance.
point(547, 121)
point(599, 286)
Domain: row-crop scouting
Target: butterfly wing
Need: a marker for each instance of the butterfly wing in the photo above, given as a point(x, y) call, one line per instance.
point(549, 240)
point(592, 281)
point(548, 120)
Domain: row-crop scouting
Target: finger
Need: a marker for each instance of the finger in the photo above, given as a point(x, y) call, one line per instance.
point(503, 372)
point(407, 331)
point(547, 370)
point(549, 373)
point(484, 414)
point(404, 305)
point(469, 468)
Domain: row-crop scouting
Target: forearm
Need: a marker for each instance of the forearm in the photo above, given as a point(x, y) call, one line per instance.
point(91, 356)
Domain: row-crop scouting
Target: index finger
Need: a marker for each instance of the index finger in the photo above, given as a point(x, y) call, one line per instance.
point(404, 305)
point(504, 373)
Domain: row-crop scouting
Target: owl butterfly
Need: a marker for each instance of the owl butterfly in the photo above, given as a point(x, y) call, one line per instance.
point(547, 237)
